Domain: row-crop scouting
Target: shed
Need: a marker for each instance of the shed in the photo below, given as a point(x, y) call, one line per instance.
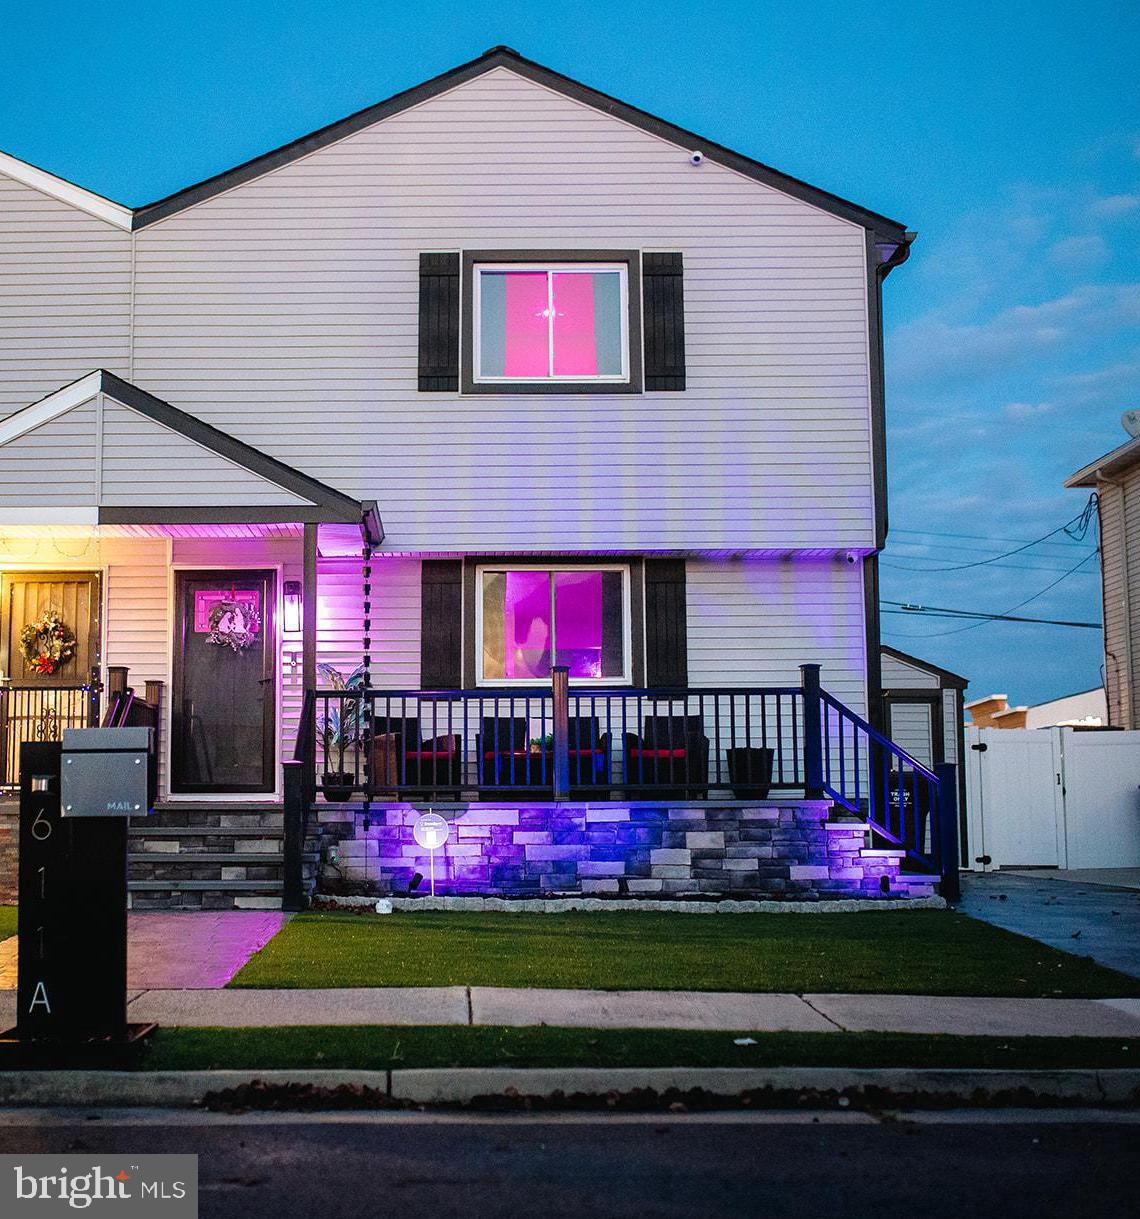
point(923, 712)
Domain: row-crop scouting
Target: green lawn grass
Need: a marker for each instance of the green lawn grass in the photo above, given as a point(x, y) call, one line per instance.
point(7, 921)
point(379, 1047)
point(930, 952)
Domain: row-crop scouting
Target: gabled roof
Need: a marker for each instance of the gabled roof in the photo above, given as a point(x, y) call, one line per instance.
point(890, 232)
point(1116, 462)
point(104, 450)
point(949, 678)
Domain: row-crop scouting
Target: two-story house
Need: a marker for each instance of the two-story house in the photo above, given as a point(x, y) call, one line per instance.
point(497, 378)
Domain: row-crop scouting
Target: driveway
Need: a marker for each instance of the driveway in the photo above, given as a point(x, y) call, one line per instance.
point(1086, 919)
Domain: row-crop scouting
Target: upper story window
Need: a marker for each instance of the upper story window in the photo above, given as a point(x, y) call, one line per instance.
point(552, 322)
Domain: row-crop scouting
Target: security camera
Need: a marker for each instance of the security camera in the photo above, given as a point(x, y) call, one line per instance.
point(696, 158)
point(851, 557)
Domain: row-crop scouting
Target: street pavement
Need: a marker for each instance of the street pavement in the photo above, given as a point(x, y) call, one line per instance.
point(1087, 919)
point(1017, 1165)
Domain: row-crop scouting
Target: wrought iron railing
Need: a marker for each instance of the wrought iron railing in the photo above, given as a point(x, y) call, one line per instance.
point(40, 713)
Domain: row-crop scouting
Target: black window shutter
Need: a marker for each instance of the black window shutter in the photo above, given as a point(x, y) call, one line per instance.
point(663, 295)
point(439, 322)
point(441, 624)
point(666, 631)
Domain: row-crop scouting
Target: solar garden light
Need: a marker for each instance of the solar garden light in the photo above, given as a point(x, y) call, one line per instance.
point(430, 831)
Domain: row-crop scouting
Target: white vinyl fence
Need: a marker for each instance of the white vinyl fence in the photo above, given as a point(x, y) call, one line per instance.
point(1053, 797)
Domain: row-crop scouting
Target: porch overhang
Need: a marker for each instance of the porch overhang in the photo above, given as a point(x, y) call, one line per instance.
point(102, 451)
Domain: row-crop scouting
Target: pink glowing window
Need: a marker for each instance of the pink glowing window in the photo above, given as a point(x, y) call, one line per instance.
point(557, 323)
point(532, 619)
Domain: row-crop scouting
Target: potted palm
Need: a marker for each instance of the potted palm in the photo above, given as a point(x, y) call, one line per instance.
point(340, 732)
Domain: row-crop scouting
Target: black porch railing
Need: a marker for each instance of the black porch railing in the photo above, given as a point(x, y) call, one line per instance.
point(40, 713)
point(427, 743)
point(558, 742)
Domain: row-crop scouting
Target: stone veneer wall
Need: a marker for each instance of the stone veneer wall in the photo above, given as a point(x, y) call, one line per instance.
point(772, 849)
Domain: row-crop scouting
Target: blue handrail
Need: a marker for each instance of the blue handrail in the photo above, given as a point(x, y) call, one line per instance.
point(869, 774)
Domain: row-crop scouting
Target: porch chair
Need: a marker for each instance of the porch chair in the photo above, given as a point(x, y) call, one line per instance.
point(589, 752)
point(672, 753)
point(432, 764)
point(503, 749)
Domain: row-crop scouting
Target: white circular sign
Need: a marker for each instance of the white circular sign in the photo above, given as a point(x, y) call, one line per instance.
point(430, 831)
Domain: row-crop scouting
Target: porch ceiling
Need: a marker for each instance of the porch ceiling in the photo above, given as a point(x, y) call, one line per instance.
point(101, 451)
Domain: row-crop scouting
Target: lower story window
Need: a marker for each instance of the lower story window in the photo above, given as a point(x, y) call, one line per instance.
point(530, 619)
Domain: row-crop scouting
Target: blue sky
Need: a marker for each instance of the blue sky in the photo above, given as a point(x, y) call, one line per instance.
point(1006, 133)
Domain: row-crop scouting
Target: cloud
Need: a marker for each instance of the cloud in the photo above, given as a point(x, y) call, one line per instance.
point(936, 346)
point(1026, 410)
point(1112, 206)
point(1078, 251)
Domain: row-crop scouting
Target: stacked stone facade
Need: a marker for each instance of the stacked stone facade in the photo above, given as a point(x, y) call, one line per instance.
point(788, 849)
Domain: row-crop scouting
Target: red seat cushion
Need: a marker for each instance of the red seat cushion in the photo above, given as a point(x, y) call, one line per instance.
point(639, 752)
point(423, 754)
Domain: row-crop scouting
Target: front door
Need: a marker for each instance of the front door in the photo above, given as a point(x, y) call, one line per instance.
point(50, 668)
point(223, 735)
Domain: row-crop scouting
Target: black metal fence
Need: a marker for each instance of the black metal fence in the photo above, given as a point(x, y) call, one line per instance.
point(40, 713)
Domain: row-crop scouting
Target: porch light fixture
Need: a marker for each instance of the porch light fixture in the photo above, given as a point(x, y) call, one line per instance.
point(292, 597)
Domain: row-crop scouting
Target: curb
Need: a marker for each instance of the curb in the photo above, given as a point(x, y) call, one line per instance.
point(602, 905)
point(500, 1087)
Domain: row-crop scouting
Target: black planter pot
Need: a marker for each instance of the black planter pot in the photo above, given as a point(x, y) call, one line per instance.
point(337, 786)
point(750, 770)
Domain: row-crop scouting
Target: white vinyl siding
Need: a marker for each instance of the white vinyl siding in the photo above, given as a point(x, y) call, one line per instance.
point(898, 675)
point(911, 727)
point(64, 295)
point(285, 311)
point(754, 622)
point(145, 463)
point(104, 454)
point(1120, 532)
point(54, 465)
point(395, 620)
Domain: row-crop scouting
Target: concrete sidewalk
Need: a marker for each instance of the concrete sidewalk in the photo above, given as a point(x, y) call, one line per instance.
point(715, 1011)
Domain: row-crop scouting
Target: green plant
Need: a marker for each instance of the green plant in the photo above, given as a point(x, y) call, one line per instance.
point(342, 724)
point(543, 742)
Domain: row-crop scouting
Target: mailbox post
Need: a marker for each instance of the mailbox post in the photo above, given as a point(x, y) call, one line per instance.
point(76, 800)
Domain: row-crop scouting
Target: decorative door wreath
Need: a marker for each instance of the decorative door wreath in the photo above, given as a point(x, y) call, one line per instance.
point(47, 644)
point(233, 624)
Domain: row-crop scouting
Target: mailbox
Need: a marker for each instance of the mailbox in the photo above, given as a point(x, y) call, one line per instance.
point(107, 772)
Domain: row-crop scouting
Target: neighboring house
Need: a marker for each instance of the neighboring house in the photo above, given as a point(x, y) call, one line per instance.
point(1086, 709)
point(1115, 478)
point(498, 375)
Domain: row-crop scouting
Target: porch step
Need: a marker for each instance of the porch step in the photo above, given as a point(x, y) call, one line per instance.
point(206, 855)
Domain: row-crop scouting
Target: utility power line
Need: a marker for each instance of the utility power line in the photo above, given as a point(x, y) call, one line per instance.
point(1076, 528)
point(980, 619)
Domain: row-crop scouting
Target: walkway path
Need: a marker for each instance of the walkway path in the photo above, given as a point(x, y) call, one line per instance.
point(1086, 919)
point(180, 949)
point(478, 1005)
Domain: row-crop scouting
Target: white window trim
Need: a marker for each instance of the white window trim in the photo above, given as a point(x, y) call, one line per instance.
point(626, 678)
point(550, 268)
